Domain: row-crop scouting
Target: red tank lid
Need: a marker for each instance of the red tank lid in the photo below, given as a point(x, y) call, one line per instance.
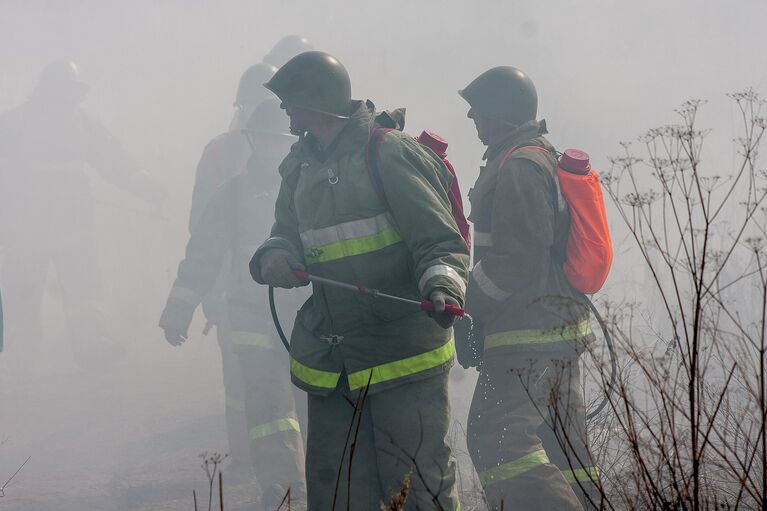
point(433, 142)
point(575, 160)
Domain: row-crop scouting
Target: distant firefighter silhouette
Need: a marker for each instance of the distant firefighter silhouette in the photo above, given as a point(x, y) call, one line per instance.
point(47, 213)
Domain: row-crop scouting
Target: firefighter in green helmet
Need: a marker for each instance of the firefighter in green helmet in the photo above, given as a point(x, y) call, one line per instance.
point(526, 430)
point(331, 222)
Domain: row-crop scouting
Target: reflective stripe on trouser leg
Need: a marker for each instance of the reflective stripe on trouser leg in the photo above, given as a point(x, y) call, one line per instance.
point(582, 475)
point(513, 468)
point(278, 426)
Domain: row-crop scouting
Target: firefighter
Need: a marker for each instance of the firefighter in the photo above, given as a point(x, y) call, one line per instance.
point(47, 214)
point(224, 157)
point(526, 430)
point(235, 220)
point(251, 91)
point(330, 220)
point(287, 48)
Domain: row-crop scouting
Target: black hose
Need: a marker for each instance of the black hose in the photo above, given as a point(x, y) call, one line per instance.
point(613, 363)
point(276, 320)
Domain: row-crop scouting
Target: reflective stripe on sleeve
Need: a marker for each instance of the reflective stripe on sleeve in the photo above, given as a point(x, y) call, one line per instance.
point(314, 377)
point(241, 338)
point(404, 367)
point(513, 468)
point(270, 428)
point(582, 475)
point(445, 271)
point(486, 285)
point(185, 295)
point(517, 337)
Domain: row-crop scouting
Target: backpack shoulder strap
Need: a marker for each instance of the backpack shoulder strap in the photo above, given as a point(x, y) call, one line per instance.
point(515, 148)
point(372, 149)
point(561, 203)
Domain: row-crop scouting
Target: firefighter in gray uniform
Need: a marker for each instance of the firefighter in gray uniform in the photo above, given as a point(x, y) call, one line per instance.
point(526, 430)
point(235, 220)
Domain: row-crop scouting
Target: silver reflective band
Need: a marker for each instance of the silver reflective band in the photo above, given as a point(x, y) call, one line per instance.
point(486, 285)
point(441, 270)
point(185, 295)
point(346, 231)
point(483, 239)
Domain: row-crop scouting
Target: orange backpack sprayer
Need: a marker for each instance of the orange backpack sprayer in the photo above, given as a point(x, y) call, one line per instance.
point(589, 249)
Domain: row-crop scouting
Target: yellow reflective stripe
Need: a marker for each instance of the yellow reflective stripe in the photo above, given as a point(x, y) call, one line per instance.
point(240, 338)
point(353, 247)
point(404, 367)
point(582, 475)
point(235, 404)
point(514, 468)
point(314, 377)
point(515, 337)
point(270, 428)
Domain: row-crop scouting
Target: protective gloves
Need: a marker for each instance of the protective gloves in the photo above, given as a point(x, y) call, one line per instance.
point(175, 321)
point(276, 269)
point(439, 298)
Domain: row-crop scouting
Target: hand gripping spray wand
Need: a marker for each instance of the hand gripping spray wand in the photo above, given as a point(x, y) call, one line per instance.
point(425, 305)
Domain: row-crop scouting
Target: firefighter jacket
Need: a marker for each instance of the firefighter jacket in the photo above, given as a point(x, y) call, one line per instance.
point(330, 217)
point(230, 228)
point(517, 291)
point(224, 157)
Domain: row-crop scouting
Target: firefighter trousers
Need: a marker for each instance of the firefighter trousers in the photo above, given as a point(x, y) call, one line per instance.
point(276, 447)
point(527, 433)
point(402, 432)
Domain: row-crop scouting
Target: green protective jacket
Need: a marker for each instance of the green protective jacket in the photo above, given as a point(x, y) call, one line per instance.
point(518, 291)
point(329, 216)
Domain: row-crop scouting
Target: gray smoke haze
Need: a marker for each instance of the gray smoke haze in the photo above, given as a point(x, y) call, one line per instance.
point(162, 79)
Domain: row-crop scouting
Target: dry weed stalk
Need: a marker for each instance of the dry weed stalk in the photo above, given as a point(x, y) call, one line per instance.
point(686, 428)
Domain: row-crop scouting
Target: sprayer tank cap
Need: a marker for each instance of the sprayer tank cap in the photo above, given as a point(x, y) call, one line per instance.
point(433, 142)
point(575, 160)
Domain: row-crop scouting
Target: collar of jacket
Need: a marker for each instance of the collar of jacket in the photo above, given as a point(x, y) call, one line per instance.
point(527, 131)
point(353, 136)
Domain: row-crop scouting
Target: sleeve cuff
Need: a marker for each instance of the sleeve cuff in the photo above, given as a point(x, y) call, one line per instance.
point(445, 277)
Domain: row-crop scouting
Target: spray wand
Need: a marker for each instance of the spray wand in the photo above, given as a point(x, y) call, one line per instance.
point(425, 305)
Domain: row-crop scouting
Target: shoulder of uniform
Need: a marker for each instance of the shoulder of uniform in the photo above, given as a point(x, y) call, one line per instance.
point(292, 162)
point(224, 140)
point(397, 142)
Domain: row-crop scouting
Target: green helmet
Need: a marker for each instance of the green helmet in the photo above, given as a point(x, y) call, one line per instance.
point(269, 118)
point(287, 48)
point(316, 81)
point(61, 78)
point(504, 93)
point(250, 90)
